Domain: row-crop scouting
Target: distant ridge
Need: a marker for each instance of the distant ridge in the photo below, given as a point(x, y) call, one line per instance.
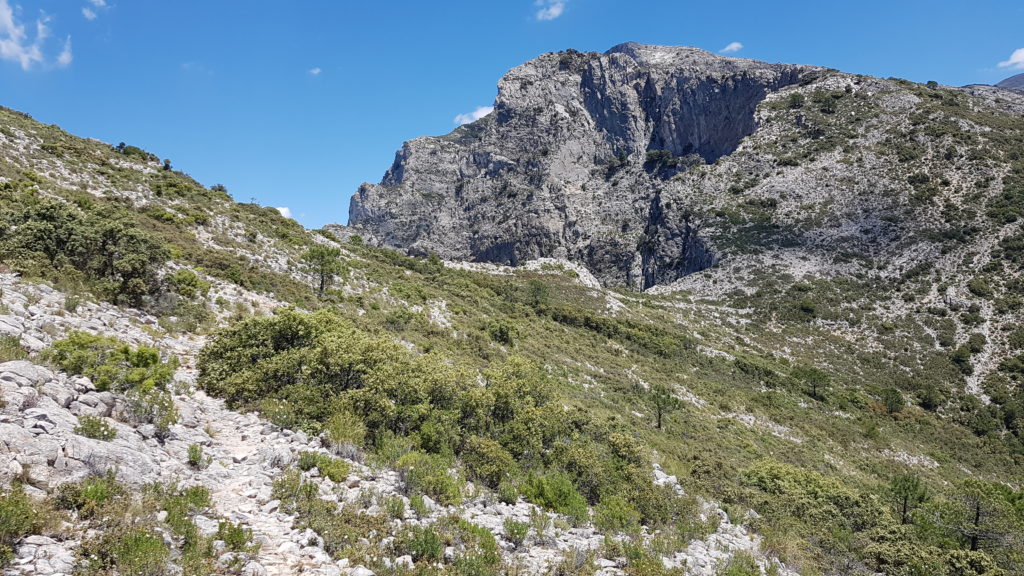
point(1015, 83)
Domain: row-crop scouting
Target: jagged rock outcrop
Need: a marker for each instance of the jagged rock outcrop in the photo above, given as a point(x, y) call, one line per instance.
point(561, 167)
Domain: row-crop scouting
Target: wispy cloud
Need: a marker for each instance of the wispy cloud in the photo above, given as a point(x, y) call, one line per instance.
point(16, 44)
point(1016, 60)
point(196, 68)
point(315, 71)
point(731, 48)
point(550, 9)
point(65, 57)
point(92, 9)
point(284, 210)
point(473, 116)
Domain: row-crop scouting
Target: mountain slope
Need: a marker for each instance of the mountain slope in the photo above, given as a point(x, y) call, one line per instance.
point(835, 395)
point(1012, 83)
point(647, 164)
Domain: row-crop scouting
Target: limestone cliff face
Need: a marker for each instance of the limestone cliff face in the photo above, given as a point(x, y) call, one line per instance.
point(561, 167)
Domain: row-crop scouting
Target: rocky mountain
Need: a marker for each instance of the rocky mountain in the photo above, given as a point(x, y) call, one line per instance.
point(822, 374)
point(560, 167)
point(649, 163)
point(1015, 83)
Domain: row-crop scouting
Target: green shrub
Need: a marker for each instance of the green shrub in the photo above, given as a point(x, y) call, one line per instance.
point(110, 363)
point(95, 427)
point(345, 428)
point(430, 475)
point(395, 507)
point(487, 461)
point(195, 456)
point(892, 400)
point(89, 497)
point(307, 460)
point(424, 544)
point(516, 532)
point(418, 505)
point(980, 287)
point(507, 492)
point(502, 332)
point(153, 405)
point(334, 468)
point(100, 243)
point(615, 514)
point(187, 284)
point(18, 518)
point(556, 492)
point(10, 349)
point(137, 552)
point(181, 504)
point(236, 537)
point(481, 553)
point(740, 564)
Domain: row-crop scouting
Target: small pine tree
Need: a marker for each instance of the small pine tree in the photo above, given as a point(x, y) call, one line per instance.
point(664, 402)
point(324, 264)
point(908, 492)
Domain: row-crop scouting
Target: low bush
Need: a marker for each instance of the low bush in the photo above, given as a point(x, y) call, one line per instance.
point(515, 531)
point(137, 552)
point(236, 537)
point(95, 427)
point(195, 456)
point(487, 461)
point(615, 514)
point(110, 363)
point(91, 496)
point(10, 349)
point(18, 518)
point(556, 492)
point(335, 469)
point(432, 476)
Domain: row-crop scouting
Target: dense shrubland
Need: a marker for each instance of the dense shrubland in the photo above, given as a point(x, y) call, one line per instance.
point(438, 423)
point(420, 412)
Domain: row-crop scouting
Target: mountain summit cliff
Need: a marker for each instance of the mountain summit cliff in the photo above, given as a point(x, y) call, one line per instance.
point(570, 162)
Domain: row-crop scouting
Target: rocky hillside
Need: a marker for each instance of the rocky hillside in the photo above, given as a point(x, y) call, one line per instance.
point(650, 163)
point(823, 376)
point(560, 167)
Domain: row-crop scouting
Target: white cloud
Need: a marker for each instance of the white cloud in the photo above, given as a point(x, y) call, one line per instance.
point(731, 48)
point(14, 42)
point(92, 10)
point(550, 9)
point(1016, 61)
point(315, 71)
point(473, 116)
point(284, 210)
point(66, 56)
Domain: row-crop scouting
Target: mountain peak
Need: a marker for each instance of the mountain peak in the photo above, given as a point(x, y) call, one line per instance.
point(1015, 83)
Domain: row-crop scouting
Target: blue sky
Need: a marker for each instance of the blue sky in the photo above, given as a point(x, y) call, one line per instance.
point(295, 103)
